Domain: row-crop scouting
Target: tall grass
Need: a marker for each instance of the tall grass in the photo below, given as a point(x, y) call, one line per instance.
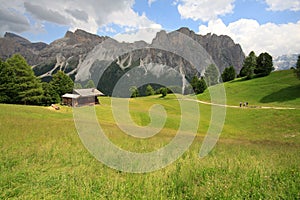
point(42, 157)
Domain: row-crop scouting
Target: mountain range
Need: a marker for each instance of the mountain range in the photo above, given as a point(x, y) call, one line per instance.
point(285, 62)
point(83, 56)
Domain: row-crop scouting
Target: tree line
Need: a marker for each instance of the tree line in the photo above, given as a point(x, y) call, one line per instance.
point(253, 66)
point(19, 85)
point(135, 92)
point(211, 77)
point(257, 66)
point(197, 84)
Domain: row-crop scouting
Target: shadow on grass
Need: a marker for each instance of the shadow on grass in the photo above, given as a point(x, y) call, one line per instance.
point(237, 80)
point(243, 79)
point(286, 94)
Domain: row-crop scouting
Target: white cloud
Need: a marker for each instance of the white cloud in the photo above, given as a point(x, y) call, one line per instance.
point(46, 14)
point(13, 21)
point(275, 39)
point(90, 15)
point(204, 10)
point(109, 29)
point(280, 5)
point(78, 14)
point(145, 34)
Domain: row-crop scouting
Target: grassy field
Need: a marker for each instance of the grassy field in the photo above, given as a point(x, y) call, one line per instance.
point(256, 157)
point(280, 89)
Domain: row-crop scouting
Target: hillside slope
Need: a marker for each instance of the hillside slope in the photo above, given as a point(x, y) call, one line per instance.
point(280, 88)
point(257, 154)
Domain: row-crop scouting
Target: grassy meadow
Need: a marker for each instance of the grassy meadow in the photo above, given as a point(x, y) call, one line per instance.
point(280, 89)
point(256, 157)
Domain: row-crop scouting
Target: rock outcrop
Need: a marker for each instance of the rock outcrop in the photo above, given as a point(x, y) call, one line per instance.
point(62, 54)
point(222, 49)
point(11, 44)
point(85, 56)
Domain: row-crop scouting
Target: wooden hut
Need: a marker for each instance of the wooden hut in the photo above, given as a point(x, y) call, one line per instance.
point(82, 97)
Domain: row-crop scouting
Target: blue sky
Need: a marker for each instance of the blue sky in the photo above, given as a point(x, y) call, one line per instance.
point(260, 25)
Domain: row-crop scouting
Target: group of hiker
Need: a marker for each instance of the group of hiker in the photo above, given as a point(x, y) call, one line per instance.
point(245, 104)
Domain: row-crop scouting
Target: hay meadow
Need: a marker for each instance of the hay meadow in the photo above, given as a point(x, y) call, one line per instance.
point(257, 155)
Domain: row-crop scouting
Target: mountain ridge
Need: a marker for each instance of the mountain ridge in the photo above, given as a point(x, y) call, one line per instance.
point(70, 53)
point(285, 62)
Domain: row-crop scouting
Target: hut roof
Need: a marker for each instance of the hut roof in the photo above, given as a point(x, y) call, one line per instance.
point(71, 96)
point(88, 92)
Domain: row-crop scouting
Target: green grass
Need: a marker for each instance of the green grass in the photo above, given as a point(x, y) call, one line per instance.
point(280, 88)
point(256, 157)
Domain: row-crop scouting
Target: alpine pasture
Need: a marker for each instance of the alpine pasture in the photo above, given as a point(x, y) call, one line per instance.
point(257, 155)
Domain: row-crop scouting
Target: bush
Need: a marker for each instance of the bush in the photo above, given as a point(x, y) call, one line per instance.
point(134, 92)
point(228, 74)
point(163, 91)
point(149, 90)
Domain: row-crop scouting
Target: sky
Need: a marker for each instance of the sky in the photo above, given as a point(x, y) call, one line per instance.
point(271, 26)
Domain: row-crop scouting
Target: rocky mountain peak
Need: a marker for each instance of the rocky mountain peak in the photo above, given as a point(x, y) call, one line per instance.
point(70, 52)
point(11, 44)
point(160, 36)
point(68, 34)
point(186, 31)
point(17, 38)
point(81, 36)
point(84, 33)
point(285, 62)
point(223, 50)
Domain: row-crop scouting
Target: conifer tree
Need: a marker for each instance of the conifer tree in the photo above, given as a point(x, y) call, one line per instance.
point(228, 74)
point(19, 83)
point(264, 64)
point(90, 84)
point(62, 83)
point(149, 90)
point(249, 66)
point(212, 75)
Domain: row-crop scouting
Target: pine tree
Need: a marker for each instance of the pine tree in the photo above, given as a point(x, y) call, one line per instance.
point(163, 91)
point(194, 83)
point(77, 86)
point(212, 75)
point(249, 66)
point(202, 85)
point(22, 86)
point(264, 65)
point(198, 85)
point(7, 78)
point(149, 90)
point(50, 95)
point(62, 83)
point(134, 91)
point(90, 84)
point(228, 74)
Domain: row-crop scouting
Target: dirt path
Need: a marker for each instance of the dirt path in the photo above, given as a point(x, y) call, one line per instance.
point(230, 106)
